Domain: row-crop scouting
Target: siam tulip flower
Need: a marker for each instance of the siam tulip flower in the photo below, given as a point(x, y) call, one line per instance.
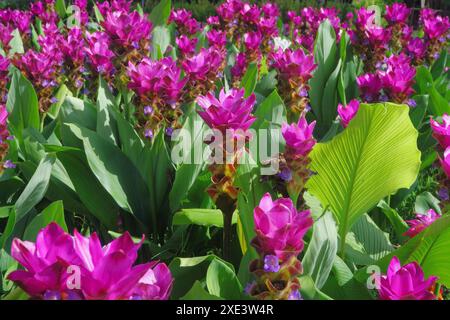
point(45, 262)
point(73, 46)
point(416, 48)
point(230, 111)
point(252, 40)
point(268, 28)
point(184, 21)
point(397, 13)
point(217, 38)
point(21, 20)
point(186, 45)
point(299, 137)
point(4, 136)
point(398, 79)
point(445, 162)
point(157, 83)
point(39, 67)
point(5, 35)
point(4, 67)
point(229, 9)
point(108, 272)
point(370, 86)
point(250, 13)
point(213, 21)
point(441, 131)
point(348, 112)
point(426, 13)
point(436, 27)
point(405, 282)
point(127, 29)
point(421, 222)
point(294, 71)
point(239, 67)
point(114, 5)
point(280, 228)
point(98, 52)
point(179, 16)
point(270, 9)
point(202, 69)
point(83, 14)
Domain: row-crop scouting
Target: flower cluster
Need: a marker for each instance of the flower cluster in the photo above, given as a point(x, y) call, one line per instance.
point(158, 86)
point(4, 137)
point(59, 266)
point(280, 229)
point(421, 222)
point(441, 132)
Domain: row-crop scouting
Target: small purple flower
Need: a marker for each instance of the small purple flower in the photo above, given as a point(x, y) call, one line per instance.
point(412, 103)
point(285, 174)
point(295, 295)
point(54, 100)
point(443, 194)
point(148, 133)
point(9, 165)
point(169, 131)
point(271, 263)
point(148, 110)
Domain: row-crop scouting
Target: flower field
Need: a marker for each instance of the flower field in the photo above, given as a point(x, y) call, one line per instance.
point(256, 155)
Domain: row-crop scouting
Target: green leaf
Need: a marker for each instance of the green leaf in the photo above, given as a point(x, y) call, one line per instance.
point(60, 7)
point(200, 217)
point(418, 113)
point(367, 243)
point(53, 213)
point(16, 43)
point(106, 125)
point(429, 249)
point(60, 95)
point(222, 281)
point(160, 41)
point(439, 65)
point(116, 173)
point(197, 292)
point(438, 104)
point(88, 188)
point(9, 228)
point(372, 158)
point(400, 226)
point(322, 250)
point(426, 201)
point(250, 79)
point(22, 105)
point(424, 80)
point(36, 188)
point(191, 144)
point(160, 13)
point(82, 113)
point(326, 57)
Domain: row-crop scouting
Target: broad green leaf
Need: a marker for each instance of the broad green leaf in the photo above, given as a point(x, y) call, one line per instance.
point(309, 291)
point(426, 201)
point(222, 281)
point(160, 41)
point(399, 225)
point(201, 217)
point(429, 249)
point(249, 79)
point(191, 146)
point(22, 105)
point(88, 188)
point(36, 188)
point(367, 243)
point(60, 7)
point(61, 94)
point(418, 113)
point(116, 173)
point(106, 125)
point(322, 250)
point(372, 158)
point(326, 57)
point(439, 65)
point(9, 227)
point(53, 213)
point(16, 43)
point(197, 292)
point(74, 110)
point(160, 14)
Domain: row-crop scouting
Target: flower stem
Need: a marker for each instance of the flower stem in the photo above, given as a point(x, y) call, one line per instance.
point(227, 206)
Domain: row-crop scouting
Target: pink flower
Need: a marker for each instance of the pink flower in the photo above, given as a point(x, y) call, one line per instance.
point(217, 38)
point(99, 53)
point(45, 262)
point(436, 27)
point(5, 35)
point(268, 27)
point(271, 9)
point(158, 81)
point(127, 29)
point(4, 134)
point(22, 20)
point(280, 227)
point(441, 131)
point(299, 137)
point(397, 13)
point(421, 222)
point(186, 45)
point(239, 66)
point(348, 112)
point(107, 273)
point(294, 64)
point(398, 79)
point(445, 162)
point(230, 111)
point(4, 66)
point(370, 86)
point(204, 65)
point(416, 48)
point(405, 283)
point(252, 40)
point(73, 46)
point(250, 13)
